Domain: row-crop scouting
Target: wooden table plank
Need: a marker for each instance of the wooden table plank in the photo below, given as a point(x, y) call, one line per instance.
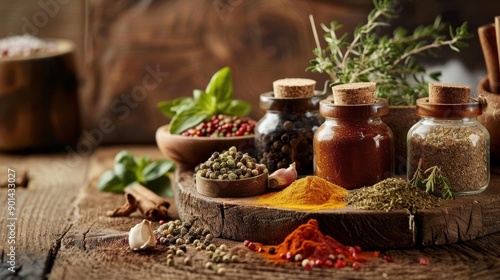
point(93, 246)
point(42, 210)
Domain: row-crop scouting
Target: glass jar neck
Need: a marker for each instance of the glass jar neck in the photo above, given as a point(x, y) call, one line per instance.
point(450, 120)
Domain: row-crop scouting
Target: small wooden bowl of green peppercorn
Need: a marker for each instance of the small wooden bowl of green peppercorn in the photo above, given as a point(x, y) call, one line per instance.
point(232, 188)
point(231, 173)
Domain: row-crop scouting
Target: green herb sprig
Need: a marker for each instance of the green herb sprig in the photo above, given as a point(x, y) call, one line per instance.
point(128, 169)
point(390, 61)
point(435, 180)
point(217, 98)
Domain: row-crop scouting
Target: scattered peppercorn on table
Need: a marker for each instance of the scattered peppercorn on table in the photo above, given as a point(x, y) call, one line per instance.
point(58, 229)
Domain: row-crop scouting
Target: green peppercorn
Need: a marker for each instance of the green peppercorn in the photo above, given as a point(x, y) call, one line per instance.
point(221, 271)
point(170, 262)
point(226, 259)
point(187, 260)
point(211, 247)
point(179, 252)
point(209, 265)
point(235, 258)
point(223, 247)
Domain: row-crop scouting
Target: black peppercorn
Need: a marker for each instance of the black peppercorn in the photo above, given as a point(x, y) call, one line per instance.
point(272, 251)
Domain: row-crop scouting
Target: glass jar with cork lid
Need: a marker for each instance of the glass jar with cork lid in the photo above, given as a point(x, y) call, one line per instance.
point(284, 135)
point(354, 148)
point(450, 137)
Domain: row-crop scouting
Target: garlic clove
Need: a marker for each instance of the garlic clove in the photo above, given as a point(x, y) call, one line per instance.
point(283, 177)
point(141, 236)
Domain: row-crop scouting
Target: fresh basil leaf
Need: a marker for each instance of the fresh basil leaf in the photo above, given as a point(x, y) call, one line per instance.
point(141, 162)
point(221, 85)
point(170, 108)
point(160, 186)
point(238, 108)
point(187, 119)
point(156, 169)
point(125, 167)
point(207, 103)
point(109, 182)
point(197, 93)
point(223, 105)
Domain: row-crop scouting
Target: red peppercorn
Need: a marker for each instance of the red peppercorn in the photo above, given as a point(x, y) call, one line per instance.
point(283, 256)
point(356, 266)
point(289, 256)
point(246, 242)
point(388, 258)
point(424, 260)
point(339, 264)
point(357, 248)
point(260, 250)
point(318, 263)
point(309, 266)
point(161, 222)
point(252, 246)
point(328, 263)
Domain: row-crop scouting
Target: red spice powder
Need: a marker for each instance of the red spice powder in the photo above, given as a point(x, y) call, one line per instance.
point(308, 241)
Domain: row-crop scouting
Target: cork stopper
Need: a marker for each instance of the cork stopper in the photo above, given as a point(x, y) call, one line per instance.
point(294, 87)
point(448, 93)
point(355, 93)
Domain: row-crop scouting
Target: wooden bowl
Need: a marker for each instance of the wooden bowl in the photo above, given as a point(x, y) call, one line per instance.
point(232, 188)
point(190, 151)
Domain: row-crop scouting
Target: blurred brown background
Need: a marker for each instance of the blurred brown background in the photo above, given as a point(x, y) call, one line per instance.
point(133, 54)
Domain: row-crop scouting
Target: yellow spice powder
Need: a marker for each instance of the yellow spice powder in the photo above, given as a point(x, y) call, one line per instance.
point(309, 193)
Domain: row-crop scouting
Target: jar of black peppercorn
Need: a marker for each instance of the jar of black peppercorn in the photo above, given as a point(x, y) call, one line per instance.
point(354, 148)
point(285, 134)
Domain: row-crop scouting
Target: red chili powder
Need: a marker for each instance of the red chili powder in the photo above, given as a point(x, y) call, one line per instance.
point(308, 241)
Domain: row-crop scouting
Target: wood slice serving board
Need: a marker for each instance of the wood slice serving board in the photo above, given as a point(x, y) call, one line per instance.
point(461, 219)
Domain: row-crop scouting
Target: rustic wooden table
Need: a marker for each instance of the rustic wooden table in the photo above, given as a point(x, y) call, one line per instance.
point(61, 231)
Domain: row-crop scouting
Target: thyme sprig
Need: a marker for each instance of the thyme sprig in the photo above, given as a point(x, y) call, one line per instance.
point(435, 180)
point(390, 61)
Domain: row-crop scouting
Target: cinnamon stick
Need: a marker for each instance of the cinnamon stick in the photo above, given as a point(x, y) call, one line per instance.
point(151, 206)
point(488, 40)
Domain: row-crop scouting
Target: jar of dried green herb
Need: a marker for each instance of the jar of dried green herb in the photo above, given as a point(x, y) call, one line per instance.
point(285, 133)
point(449, 136)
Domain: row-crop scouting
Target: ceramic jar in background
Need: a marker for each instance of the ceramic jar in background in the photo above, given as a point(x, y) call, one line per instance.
point(39, 100)
point(354, 148)
point(285, 133)
point(490, 118)
point(449, 136)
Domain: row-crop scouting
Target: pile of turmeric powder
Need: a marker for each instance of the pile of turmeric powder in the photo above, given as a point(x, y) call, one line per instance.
point(310, 193)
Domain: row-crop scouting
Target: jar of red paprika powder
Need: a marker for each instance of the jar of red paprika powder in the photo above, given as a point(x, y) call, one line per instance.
point(354, 148)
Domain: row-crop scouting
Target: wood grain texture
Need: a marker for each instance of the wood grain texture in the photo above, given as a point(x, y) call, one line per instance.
point(42, 210)
point(462, 219)
point(241, 218)
point(65, 234)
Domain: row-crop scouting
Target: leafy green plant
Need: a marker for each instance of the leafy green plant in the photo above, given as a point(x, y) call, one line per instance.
point(435, 180)
point(128, 169)
point(217, 98)
point(390, 61)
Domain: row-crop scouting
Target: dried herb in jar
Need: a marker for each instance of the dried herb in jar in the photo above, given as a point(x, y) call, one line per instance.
point(461, 153)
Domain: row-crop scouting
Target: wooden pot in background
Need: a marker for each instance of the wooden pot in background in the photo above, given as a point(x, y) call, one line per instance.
point(491, 118)
point(39, 100)
point(400, 119)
